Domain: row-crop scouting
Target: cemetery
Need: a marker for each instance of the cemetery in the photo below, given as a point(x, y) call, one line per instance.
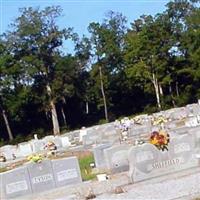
point(126, 153)
point(100, 99)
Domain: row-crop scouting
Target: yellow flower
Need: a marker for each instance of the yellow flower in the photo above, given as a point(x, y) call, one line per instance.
point(154, 141)
point(29, 157)
point(165, 141)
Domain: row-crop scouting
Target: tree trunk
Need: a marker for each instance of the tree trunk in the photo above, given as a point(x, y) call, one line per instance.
point(56, 128)
point(103, 94)
point(63, 115)
point(177, 90)
point(160, 89)
point(171, 94)
point(156, 87)
point(7, 125)
point(63, 112)
point(87, 107)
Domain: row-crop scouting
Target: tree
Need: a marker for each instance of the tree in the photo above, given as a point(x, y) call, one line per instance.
point(107, 41)
point(35, 42)
point(4, 86)
point(143, 50)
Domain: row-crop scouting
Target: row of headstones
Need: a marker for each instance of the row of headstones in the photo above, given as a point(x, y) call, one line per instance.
point(143, 162)
point(94, 135)
point(33, 146)
point(102, 133)
point(180, 112)
point(107, 132)
point(38, 177)
point(173, 127)
point(146, 161)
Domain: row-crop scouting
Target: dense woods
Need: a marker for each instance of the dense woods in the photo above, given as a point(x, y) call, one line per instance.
point(116, 70)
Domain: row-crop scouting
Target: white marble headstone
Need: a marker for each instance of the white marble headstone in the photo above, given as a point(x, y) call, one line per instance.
point(25, 149)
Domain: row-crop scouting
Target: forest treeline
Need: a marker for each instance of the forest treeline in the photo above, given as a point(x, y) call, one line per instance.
point(118, 69)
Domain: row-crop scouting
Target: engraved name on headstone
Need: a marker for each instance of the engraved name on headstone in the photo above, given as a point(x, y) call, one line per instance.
point(41, 176)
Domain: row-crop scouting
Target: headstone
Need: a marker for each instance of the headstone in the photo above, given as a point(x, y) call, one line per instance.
point(8, 151)
point(15, 183)
point(76, 135)
point(117, 158)
point(146, 161)
point(196, 109)
point(86, 140)
point(37, 145)
point(170, 125)
point(181, 130)
point(25, 149)
point(58, 142)
point(49, 138)
point(195, 132)
point(139, 130)
point(92, 137)
point(66, 171)
point(41, 176)
point(65, 141)
point(83, 132)
point(192, 121)
point(99, 156)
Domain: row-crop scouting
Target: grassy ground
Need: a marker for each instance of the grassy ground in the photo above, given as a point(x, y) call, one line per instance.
point(86, 170)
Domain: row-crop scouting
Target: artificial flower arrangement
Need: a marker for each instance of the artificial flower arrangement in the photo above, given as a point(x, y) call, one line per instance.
point(159, 120)
point(36, 158)
point(160, 139)
point(50, 146)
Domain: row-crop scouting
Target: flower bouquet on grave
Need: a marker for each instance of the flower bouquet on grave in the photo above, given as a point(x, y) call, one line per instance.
point(36, 158)
point(160, 139)
point(50, 146)
point(159, 121)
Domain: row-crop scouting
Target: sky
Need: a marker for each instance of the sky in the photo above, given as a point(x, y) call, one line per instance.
point(79, 13)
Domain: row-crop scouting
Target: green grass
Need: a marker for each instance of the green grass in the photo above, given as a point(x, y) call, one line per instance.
point(86, 171)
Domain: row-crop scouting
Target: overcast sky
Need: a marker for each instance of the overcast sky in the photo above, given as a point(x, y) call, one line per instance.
point(79, 13)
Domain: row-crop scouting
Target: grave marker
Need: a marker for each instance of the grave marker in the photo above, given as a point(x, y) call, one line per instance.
point(25, 149)
point(15, 183)
point(41, 176)
point(66, 171)
point(146, 161)
point(99, 156)
point(117, 158)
